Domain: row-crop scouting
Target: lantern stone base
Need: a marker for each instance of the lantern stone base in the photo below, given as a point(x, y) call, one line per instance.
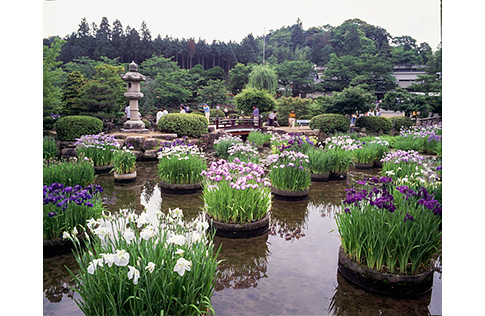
point(134, 127)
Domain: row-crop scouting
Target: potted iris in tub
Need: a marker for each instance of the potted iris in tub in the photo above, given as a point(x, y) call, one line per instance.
point(245, 152)
point(179, 167)
point(124, 165)
point(402, 163)
point(66, 209)
point(290, 175)
point(147, 264)
point(99, 148)
point(223, 143)
point(320, 164)
point(389, 235)
point(237, 198)
point(340, 150)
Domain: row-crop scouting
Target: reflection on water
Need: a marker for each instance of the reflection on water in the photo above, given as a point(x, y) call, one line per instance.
point(288, 219)
point(291, 270)
point(352, 300)
point(244, 261)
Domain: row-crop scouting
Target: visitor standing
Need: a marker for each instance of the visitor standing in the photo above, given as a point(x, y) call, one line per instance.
point(182, 109)
point(272, 118)
point(255, 115)
point(207, 111)
point(127, 112)
point(226, 111)
point(159, 116)
point(164, 112)
point(292, 119)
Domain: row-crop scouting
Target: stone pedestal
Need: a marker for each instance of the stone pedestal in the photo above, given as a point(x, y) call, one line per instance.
point(133, 79)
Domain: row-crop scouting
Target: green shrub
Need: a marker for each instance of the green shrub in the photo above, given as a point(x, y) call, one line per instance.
point(303, 109)
point(374, 124)
point(330, 123)
point(148, 124)
point(191, 125)
point(71, 127)
point(233, 116)
point(253, 97)
point(399, 122)
point(216, 112)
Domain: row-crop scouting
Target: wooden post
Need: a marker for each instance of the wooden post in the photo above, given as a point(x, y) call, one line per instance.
point(217, 122)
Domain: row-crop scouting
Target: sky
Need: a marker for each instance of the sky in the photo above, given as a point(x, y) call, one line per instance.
point(227, 20)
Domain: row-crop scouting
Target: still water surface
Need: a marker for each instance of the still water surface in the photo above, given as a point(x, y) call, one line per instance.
point(291, 270)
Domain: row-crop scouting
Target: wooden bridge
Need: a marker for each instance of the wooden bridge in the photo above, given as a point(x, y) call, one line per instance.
point(236, 126)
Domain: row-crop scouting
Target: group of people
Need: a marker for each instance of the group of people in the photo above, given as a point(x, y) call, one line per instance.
point(272, 120)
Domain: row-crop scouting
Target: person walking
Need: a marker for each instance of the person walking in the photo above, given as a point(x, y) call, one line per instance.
point(127, 112)
point(292, 119)
point(207, 111)
point(255, 115)
point(271, 118)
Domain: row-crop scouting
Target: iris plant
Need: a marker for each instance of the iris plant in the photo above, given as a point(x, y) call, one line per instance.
point(147, 264)
point(236, 192)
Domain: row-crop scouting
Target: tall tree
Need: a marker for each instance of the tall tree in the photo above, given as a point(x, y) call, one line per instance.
point(297, 75)
point(71, 90)
point(263, 78)
point(239, 77)
point(52, 78)
point(104, 45)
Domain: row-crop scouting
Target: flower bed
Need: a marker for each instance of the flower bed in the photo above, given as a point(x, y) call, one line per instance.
point(401, 163)
point(99, 148)
point(124, 161)
point(388, 228)
point(236, 192)
point(67, 208)
point(69, 172)
point(289, 171)
point(180, 164)
point(292, 142)
point(223, 143)
point(146, 264)
point(244, 152)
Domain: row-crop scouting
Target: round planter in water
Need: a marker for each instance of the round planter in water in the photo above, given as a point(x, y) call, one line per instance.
point(58, 246)
point(246, 230)
point(384, 283)
point(338, 175)
point(362, 165)
point(320, 177)
point(102, 169)
point(180, 188)
point(125, 177)
point(290, 195)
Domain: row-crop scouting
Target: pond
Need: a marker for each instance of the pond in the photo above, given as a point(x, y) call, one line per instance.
point(291, 270)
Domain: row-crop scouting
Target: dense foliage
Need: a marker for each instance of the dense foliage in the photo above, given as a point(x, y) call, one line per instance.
point(82, 71)
point(330, 123)
point(71, 127)
point(191, 125)
point(375, 124)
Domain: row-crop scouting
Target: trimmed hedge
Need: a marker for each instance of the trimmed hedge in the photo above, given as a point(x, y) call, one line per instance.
point(330, 123)
point(374, 124)
point(69, 128)
point(190, 125)
point(216, 112)
point(401, 121)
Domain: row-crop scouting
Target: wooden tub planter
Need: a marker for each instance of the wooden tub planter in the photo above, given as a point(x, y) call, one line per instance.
point(180, 188)
point(398, 285)
point(290, 195)
point(244, 230)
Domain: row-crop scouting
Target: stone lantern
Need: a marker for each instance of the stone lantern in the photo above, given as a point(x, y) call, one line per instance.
point(133, 79)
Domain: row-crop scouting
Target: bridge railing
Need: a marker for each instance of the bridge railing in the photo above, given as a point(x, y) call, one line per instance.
point(225, 123)
point(428, 121)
